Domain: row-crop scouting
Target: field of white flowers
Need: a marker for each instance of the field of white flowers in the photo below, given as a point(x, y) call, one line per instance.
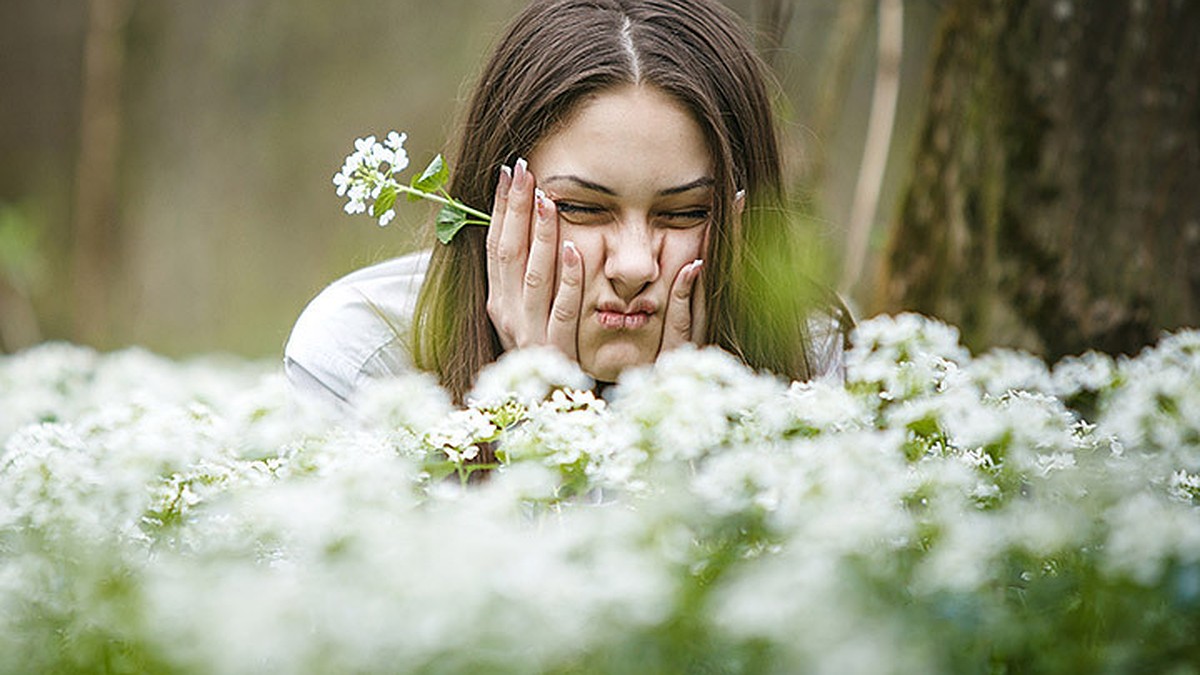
point(942, 513)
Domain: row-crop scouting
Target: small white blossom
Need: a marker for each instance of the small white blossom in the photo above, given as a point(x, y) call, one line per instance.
point(1184, 487)
point(458, 435)
point(1092, 371)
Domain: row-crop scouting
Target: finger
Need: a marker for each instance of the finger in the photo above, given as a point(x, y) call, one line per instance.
point(678, 321)
point(513, 249)
point(563, 329)
point(495, 294)
point(543, 251)
point(699, 309)
point(499, 206)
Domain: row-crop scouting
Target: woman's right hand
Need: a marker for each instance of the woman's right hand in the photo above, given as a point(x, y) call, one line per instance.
point(523, 302)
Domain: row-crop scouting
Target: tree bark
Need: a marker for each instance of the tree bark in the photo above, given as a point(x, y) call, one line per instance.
point(1055, 198)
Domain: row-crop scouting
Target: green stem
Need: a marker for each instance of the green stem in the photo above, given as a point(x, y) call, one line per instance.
point(452, 203)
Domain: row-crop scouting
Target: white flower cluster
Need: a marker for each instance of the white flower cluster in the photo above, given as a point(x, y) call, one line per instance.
point(188, 517)
point(527, 376)
point(369, 169)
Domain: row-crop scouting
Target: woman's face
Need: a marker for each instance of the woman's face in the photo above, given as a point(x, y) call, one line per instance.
point(632, 178)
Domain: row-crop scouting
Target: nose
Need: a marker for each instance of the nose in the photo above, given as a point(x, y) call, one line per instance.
point(631, 257)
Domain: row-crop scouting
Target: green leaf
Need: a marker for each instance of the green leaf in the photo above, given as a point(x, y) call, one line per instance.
point(449, 221)
point(385, 201)
point(432, 178)
point(439, 470)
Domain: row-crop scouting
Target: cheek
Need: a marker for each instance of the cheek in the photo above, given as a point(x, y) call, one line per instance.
point(679, 248)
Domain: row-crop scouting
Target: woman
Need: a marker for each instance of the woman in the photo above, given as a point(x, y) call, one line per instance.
point(628, 152)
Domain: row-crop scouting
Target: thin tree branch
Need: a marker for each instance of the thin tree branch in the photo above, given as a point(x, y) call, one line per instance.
point(878, 143)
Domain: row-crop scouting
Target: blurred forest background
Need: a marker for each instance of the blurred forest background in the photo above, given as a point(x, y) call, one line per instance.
point(216, 125)
point(165, 165)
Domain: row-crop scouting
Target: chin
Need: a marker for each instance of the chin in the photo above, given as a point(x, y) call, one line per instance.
point(609, 361)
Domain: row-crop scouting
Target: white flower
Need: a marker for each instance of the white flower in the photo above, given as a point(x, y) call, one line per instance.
point(395, 141)
point(527, 375)
point(903, 357)
point(343, 179)
point(1184, 487)
point(458, 435)
point(1003, 370)
point(364, 145)
point(820, 407)
point(1092, 371)
point(1147, 532)
point(821, 526)
point(411, 401)
point(693, 400)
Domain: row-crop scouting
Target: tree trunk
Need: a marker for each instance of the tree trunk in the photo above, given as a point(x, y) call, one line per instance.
point(1055, 197)
point(96, 237)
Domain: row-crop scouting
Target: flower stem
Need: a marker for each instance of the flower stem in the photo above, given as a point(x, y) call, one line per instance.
point(452, 203)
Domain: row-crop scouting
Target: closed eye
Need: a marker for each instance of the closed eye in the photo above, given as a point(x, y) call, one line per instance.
point(695, 213)
point(581, 214)
point(568, 207)
point(686, 218)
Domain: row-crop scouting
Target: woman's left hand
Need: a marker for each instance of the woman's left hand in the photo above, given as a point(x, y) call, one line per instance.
point(684, 318)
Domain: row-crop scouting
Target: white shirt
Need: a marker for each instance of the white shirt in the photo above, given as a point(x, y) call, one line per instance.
point(357, 329)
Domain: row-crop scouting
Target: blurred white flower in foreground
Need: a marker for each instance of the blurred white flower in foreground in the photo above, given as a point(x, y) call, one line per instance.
point(185, 517)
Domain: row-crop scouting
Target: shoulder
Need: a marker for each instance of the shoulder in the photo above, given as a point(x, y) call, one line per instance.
point(356, 328)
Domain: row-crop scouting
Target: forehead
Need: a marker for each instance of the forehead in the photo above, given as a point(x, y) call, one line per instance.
point(632, 139)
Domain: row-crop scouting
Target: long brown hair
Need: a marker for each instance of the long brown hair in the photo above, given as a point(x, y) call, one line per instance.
point(558, 53)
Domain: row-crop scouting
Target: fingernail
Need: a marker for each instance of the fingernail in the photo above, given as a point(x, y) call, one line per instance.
point(539, 198)
point(570, 253)
point(739, 195)
point(505, 180)
point(696, 266)
point(521, 169)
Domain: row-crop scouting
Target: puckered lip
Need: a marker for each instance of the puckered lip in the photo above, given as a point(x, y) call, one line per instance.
point(614, 315)
point(638, 306)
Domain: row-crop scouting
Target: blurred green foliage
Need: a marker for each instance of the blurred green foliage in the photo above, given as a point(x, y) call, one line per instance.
point(21, 262)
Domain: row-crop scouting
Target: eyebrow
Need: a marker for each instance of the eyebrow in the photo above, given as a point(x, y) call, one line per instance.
point(705, 181)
